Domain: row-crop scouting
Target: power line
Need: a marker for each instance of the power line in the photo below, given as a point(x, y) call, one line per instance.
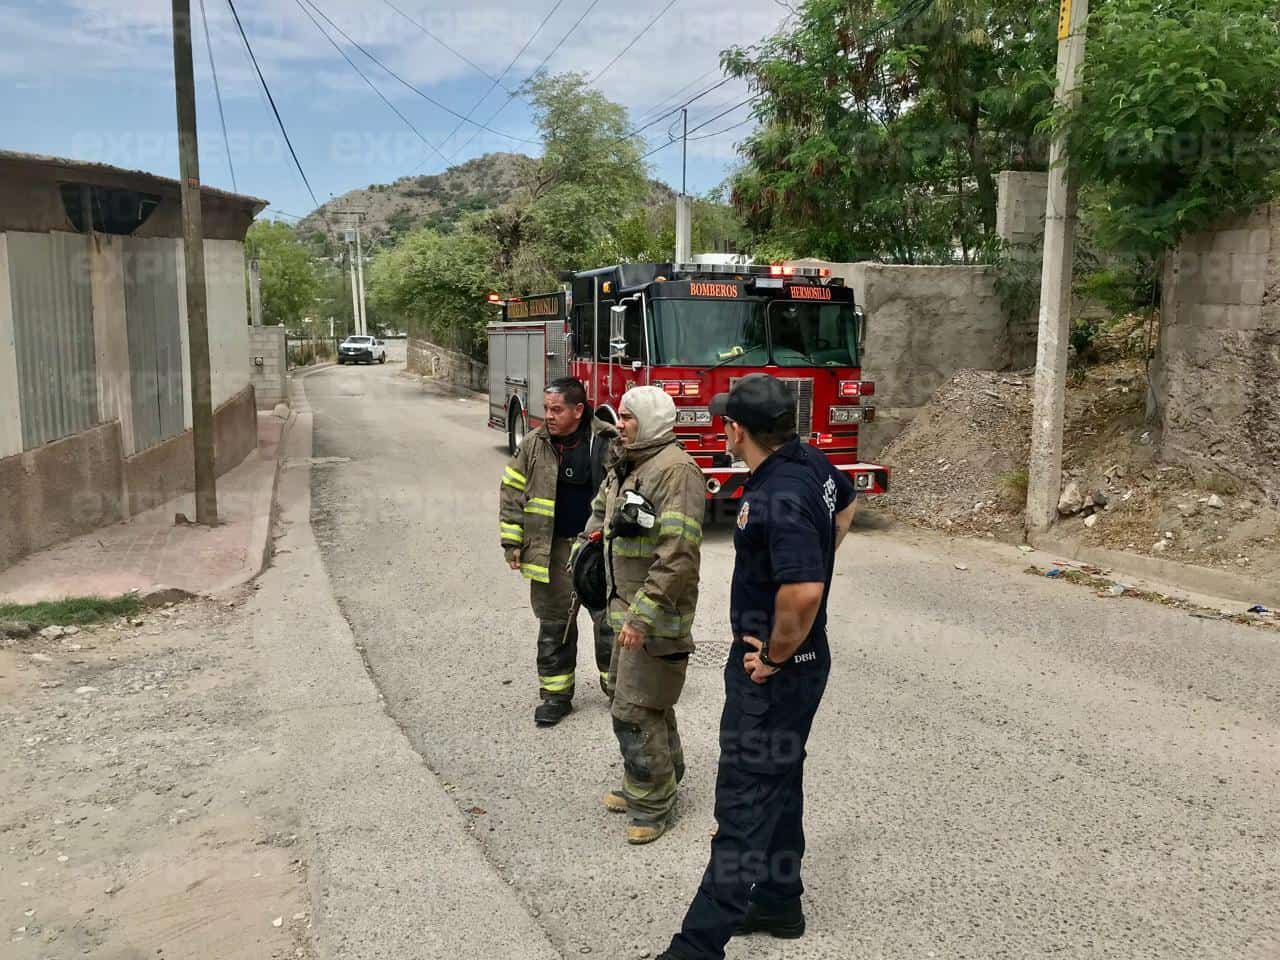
point(409, 86)
point(740, 123)
point(705, 123)
point(343, 53)
point(279, 121)
point(676, 109)
point(577, 23)
point(217, 89)
point(634, 40)
point(434, 36)
point(671, 96)
point(505, 70)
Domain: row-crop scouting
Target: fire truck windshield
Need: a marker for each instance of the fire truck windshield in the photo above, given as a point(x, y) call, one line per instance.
point(706, 333)
point(813, 334)
point(751, 333)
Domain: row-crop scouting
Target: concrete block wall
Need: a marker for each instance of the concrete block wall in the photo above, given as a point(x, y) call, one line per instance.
point(270, 381)
point(923, 324)
point(1215, 379)
point(432, 360)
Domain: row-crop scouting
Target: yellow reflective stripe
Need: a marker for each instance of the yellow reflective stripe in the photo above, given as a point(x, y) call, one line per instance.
point(514, 478)
point(674, 522)
point(512, 533)
point(557, 684)
point(541, 507)
point(534, 572)
point(660, 623)
point(664, 789)
point(628, 547)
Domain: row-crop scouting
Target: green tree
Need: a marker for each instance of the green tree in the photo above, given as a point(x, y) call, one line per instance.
point(288, 278)
point(1179, 120)
point(883, 123)
point(590, 174)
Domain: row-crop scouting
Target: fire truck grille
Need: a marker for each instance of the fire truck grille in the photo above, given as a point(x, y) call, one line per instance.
point(802, 390)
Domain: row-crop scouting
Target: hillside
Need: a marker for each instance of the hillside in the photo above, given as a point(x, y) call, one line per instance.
point(438, 200)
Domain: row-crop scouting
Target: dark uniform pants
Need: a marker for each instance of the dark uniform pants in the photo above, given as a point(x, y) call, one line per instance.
point(558, 658)
point(756, 853)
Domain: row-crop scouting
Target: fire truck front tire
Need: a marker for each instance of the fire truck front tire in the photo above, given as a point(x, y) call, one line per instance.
point(516, 428)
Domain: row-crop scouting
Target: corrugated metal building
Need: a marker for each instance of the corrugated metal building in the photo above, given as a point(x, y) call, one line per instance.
point(93, 344)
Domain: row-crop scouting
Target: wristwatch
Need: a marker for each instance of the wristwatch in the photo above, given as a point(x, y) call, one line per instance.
point(764, 657)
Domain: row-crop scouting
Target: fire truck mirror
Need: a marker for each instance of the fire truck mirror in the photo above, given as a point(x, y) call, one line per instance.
point(860, 327)
point(617, 331)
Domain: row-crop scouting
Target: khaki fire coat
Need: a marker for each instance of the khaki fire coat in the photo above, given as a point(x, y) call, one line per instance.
point(527, 496)
point(653, 576)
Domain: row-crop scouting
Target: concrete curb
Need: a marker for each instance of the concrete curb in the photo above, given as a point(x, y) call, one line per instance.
point(1218, 583)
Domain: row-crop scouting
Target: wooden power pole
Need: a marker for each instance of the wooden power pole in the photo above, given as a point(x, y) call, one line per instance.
point(1044, 475)
point(193, 246)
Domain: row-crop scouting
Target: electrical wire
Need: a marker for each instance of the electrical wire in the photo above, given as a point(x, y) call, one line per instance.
point(634, 40)
point(645, 114)
point(505, 70)
point(372, 86)
point(279, 121)
point(436, 37)
point(409, 86)
point(217, 89)
point(741, 123)
point(532, 74)
point(705, 123)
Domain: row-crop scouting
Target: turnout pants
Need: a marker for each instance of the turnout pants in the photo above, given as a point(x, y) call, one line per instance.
point(558, 657)
point(756, 854)
point(646, 689)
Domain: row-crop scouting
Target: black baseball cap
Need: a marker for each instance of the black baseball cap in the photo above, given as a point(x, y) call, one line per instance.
point(759, 402)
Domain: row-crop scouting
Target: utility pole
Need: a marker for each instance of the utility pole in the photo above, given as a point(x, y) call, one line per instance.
point(684, 212)
point(364, 317)
point(193, 246)
point(255, 291)
point(1044, 479)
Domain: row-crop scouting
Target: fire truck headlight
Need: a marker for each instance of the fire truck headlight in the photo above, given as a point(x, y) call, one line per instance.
point(693, 417)
point(841, 415)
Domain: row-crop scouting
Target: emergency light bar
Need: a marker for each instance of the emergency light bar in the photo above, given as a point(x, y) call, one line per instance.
point(754, 270)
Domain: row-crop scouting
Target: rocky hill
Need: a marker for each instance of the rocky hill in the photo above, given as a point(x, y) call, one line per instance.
point(438, 200)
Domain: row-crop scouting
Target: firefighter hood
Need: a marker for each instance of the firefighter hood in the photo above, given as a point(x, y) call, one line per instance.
point(655, 412)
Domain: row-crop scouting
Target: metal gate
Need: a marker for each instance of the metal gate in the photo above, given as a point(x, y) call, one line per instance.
point(53, 335)
point(155, 339)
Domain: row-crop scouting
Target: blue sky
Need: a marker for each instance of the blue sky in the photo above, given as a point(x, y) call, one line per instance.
point(93, 80)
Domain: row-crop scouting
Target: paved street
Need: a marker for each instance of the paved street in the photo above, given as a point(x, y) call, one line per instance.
point(1003, 766)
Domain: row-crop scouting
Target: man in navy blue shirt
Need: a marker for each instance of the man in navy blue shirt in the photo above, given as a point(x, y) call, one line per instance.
point(796, 508)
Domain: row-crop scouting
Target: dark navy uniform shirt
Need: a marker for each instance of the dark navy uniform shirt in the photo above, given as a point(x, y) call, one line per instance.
point(786, 533)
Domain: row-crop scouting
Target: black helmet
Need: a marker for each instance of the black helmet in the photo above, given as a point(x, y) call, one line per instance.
point(588, 576)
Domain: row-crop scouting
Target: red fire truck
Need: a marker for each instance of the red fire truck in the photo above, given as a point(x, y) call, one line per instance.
point(693, 330)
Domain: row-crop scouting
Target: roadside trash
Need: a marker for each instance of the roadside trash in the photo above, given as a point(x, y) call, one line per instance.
point(1054, 573)
point(1258, 608)
point(1117, 590)
point(961, 566)
point(1025, 548)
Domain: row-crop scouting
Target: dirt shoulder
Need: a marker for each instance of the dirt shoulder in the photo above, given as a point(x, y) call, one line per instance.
point(142, 814)
point(960, 468)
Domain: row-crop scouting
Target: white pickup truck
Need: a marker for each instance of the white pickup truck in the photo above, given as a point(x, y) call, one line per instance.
point(362, 350)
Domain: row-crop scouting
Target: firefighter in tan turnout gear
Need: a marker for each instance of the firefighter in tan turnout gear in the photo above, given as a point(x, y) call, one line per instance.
point(650, 511)
point(545, 501)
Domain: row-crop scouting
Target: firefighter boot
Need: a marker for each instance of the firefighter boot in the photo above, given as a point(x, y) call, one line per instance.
point(550, 712)
point(783, 920)
point(557, 655)
point(615, 802)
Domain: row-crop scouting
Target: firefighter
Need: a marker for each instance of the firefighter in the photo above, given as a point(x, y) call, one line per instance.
point(545, 501)
point(650, 511)
point(795, 510)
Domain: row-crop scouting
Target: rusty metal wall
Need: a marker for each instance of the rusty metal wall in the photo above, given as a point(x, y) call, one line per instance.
point(155, 339)
point(52, 295)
